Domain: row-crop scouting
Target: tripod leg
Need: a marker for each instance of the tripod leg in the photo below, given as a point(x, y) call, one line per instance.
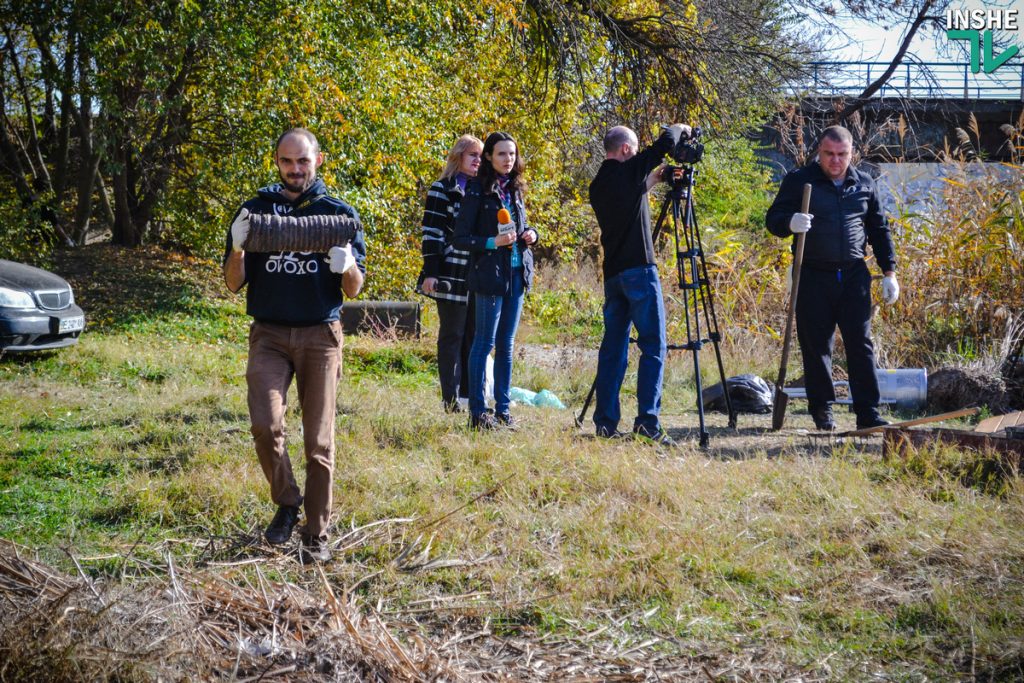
point(705, 436)
point(711, 319)
point(715, 338)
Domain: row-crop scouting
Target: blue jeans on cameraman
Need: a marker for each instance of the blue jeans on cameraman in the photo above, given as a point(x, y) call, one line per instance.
point(632, 297)
point(497, 318)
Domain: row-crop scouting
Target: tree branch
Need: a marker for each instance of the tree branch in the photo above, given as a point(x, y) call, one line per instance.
point(875, 86)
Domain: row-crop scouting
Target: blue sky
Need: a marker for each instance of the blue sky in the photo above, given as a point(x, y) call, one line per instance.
point(870, 42)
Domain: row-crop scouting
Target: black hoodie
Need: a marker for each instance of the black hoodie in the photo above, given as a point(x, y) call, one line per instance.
point(618, 195)
point(290, 287)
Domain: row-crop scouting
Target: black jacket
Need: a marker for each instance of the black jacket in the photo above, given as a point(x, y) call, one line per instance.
point(618, 195)
point(490, 270)
point(846, 219)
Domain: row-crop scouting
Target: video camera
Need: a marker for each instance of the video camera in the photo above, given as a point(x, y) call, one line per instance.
point(688, 150)
point(686, 153)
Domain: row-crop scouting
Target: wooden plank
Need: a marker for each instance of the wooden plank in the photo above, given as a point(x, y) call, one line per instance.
point(896, 442)
point(991, 425)
point(384, 318)
point(965, 412)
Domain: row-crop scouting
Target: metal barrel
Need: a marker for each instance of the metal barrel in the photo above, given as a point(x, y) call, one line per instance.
point(906, 387)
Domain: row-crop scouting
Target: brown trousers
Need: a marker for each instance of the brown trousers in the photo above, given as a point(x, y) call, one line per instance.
point(313, 356)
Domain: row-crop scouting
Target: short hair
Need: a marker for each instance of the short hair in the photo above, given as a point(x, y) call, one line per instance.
point(301, 132)
point(616, 137)
point(454, 161)
point(837, 134)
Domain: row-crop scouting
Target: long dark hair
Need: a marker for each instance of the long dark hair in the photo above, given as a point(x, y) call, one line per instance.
point(487, 173)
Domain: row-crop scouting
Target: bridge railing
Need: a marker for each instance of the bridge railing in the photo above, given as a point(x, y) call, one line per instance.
point(917, 80)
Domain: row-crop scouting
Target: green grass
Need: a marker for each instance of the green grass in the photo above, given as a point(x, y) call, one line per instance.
point(135, 443)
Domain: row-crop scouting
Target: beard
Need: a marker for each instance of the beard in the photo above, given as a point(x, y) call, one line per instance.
point(296, 183)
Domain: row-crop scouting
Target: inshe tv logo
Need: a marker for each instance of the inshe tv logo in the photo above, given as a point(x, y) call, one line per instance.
point(977, 25)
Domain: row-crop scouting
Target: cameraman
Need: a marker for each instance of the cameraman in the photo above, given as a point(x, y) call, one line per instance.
point(632, 290)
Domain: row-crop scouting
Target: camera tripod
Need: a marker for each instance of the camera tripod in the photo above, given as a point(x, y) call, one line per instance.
point(692, 273)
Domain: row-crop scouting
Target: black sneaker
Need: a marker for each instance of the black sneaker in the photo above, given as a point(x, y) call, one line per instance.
point(659, 436)
point(280, 529)
point(506, 421)
point(452, 407)
point(605, 433)
point(869, 420)
point(823, 419)
point(484, 420)
point(314, 550)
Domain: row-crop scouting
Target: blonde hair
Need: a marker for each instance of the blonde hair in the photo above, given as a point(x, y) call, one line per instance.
point(454, 162)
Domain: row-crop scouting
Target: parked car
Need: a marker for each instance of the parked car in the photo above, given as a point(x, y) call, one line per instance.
point(37, 309)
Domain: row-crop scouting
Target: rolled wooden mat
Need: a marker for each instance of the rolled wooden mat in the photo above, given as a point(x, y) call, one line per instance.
point(270, 232)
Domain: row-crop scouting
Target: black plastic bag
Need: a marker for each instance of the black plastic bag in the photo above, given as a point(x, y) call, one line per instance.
point(748, 393)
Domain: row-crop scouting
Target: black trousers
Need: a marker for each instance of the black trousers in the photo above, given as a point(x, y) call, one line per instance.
point(454, 339)
point(829, 298)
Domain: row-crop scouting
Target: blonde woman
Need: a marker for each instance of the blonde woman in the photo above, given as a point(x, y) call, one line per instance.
point(443, 276)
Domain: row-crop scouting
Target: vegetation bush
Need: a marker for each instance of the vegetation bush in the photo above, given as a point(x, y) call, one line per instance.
point(23, 237)
point(961, 256)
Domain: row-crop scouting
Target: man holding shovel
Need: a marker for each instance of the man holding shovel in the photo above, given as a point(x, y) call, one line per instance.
point(844, 216)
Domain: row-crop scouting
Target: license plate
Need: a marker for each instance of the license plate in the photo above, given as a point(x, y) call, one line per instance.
point(72, 324)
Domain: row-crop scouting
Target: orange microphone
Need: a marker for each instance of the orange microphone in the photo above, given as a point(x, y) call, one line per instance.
point(505, 224)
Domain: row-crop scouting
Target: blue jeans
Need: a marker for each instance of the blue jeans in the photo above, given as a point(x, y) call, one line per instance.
point(633, 297)
point(497, 318)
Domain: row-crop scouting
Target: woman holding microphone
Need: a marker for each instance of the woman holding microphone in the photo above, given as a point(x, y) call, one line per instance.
point(491, 225)
point(443, 276)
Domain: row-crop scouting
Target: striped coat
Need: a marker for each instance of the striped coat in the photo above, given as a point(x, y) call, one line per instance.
point(441, 259)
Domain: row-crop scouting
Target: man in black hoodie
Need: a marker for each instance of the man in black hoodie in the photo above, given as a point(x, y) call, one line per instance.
point(632, 290)
point(295, 300)
point(845, 216)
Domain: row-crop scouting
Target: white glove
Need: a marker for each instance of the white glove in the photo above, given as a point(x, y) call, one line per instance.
point(240, 230)
point(800, 222)
point(341, 258)
point(890, 290)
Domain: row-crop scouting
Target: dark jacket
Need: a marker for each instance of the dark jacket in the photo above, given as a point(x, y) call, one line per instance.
point(290, 287)
point(441, 259)
point(846, 219)
point(618, 195)
point(490, 270)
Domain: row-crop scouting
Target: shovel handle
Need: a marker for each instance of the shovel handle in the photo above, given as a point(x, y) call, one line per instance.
point(781, 399)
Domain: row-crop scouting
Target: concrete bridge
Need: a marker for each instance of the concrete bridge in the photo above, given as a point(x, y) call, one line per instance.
point(934, 100)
